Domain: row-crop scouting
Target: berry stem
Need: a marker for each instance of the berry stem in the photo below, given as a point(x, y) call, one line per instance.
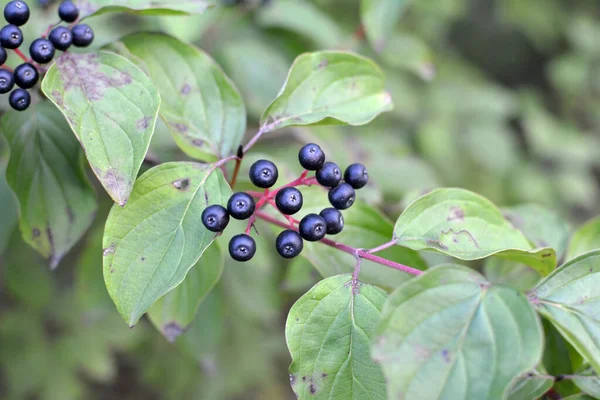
point(346, 249)
point(50, 27)
point(21, 55)
point(263, 129)
point(384, 246)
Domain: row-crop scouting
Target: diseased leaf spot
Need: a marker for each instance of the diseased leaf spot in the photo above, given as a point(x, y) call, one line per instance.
point(546, 255)
point(457, 234)
point(172, 331)
point(456, 214)
point(182, 184)
point(143, 123)
point(70, 214)
point(109, 250)
point(198, 142)
point(323, 375)
point(58, 99)
point(36, 232)
point(181, 128)
point(446, 356)
point(312, 388)
point(85, 73)
point(143, 259)
point(323, 64)
point(186, 89)
point(114, 181)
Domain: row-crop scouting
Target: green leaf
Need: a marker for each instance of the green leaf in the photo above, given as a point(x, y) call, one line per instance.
point(520, 277)
point(449, 334)
point(303, 18)
point(8, 205)
point(585, 239)
point(152, 242)
point(45, 171)
point(568, 298)
point(328, 332)
point(579, 397)
point(364, 227)
point(174, 312)
point(531, 386)
point(588, 381)
point(464, 225)
point(329, 87)
point(543, 227)
point(410, 53)
point(200, 105)
point(379, 18)
point(144, 7)
point(257, 68)
point(112, 106)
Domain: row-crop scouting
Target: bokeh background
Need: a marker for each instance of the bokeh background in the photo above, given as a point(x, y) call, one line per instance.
point(501, 97)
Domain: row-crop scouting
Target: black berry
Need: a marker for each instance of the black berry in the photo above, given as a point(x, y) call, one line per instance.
point(356, 176)
point(329, 175)
point(61, 38)
point(215, 218)
point(342, 196)
point(16, 12)
point(289, 244)
point(7, 81)
point(334, 220)
point(312, 227)
point(41, 51)
point(241, 205)
point(19, 99)
point(242, 247)
point(289, 200)
point(67, 11)
point(26, 76)
point(3, 55)
point(11, 37)
point(83, 35)
point(263, 174)
point(311, 157)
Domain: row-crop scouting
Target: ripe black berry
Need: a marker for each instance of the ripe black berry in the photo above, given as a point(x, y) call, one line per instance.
point(16, 12)
point(215, 218)
point(19, 99)
point(67, 11)
point(312, 227)
point(263, 174)
point(342, 196)
point(61, 38)
point(289, 200)
point(11, 37)
point(241, 205)
point(311, 157)
point(334, 220)
point(26, 76)
point(329, 175)
point(7, 81)
point(3, 55)
point(83, 35)
point(289, 244)
point(356, 176)
point(41, 51)
point(242, 247)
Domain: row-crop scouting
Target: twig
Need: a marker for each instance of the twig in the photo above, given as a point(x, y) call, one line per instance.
point(384, 246)
point(263, 129)
point(21, 55)
point(238, 164)
point(347, 249)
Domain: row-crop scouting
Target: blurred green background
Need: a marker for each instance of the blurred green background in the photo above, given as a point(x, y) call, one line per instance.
point(500, 97)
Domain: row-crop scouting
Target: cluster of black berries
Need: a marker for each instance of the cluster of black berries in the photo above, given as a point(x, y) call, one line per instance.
point(41, 50)
point(288, 200)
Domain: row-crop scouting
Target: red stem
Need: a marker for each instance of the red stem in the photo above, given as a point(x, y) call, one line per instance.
point(384, 246)
point(347, 249)
point(20, 54)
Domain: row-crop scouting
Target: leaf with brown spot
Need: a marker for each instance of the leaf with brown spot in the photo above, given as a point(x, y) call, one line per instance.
point(467, 226)
point(158, 236)
point(200, 105)
point(104, 97)
point(450, 334)
point(45, 172)
point(144, 7)
point(178, 307)
point(329, 332)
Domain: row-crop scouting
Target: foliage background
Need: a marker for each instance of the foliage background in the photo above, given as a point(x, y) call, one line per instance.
point(499, 97)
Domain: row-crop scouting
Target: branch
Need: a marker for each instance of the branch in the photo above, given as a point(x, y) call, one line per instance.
point(345, 248)
point(263, 129)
